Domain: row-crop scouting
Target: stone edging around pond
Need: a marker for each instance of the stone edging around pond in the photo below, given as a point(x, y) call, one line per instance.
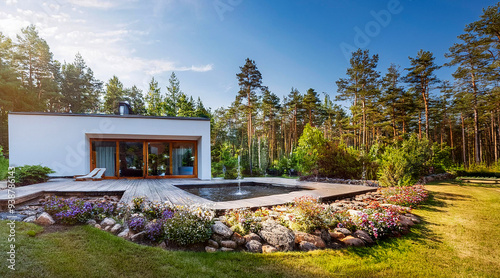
point(272, 237)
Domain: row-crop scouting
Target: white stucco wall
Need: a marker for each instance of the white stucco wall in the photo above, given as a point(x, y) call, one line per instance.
point(61, 142)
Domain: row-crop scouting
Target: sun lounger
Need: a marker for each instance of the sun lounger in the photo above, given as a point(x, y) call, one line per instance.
point(95, 174)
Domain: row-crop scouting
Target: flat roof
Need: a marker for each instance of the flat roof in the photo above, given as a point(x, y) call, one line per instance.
point(110, 115)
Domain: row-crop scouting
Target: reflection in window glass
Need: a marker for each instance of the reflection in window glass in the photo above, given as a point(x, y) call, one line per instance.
point(105, 156)
point(183, 158)
point(158, 159)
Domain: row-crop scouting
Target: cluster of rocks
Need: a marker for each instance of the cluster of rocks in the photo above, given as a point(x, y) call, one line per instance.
point(31, 211)
point(274, 237)
point(110, 225)
point(313, 178)
point(358, 202)
point(435, 177)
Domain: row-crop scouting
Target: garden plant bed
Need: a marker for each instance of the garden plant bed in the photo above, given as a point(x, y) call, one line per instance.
point(432, 249)
point(304, 225)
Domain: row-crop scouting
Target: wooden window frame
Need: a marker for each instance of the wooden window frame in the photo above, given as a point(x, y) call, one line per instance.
point(145, 158)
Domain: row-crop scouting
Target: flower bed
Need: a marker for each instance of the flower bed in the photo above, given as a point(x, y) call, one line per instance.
point(305, 224)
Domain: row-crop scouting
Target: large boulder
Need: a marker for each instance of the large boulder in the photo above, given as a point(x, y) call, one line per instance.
point(277, 235)
point(252, 236)
point(124, 233)
point(219, 228)
point(238, 239)
point(266, 248)
point(345, 231)
point(91, 222)
point(352, 241)
point(228, 244)
point(415, 219)
point(115, 229)
point(45, 219)
point(107, 222)
point(138, 236)
point(210, 249)
point(405, 221)
point(364, 236)
point(30, 219)
point(316, 240)
point(254, 246)
point(337, 235)
point(213, 243)
point(307, 246)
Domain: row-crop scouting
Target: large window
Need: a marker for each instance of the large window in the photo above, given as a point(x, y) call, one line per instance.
point(104, 156)
point(183, 158)
point(159, 159)
point(144, 158)
point(131, 159)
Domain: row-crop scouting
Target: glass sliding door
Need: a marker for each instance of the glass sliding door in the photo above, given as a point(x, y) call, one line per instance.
point(159, 159)
point(131, 159)
point(183, 156)
point(104, 155)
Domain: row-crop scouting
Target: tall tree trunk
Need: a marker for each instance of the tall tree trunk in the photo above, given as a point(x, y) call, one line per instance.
point(420, 125)
point(494, 136)
point(476, 121)
point(451, 142)
point(249, 130)
point(364, 123)
point(464, 150)
point(426, 106)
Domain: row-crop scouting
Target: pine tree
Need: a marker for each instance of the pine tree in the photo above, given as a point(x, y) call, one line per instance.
point(80, 91)
point(361, 85)
point(114, 94)
point(421, 78)
point(311, 103)
point(173, 94)
point(471, 57)
point(249, 79)
point(36, 66)
point(154, 100)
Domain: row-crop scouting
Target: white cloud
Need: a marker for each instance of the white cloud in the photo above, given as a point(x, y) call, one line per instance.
point(11, 2)
point(107, 47)
point(93, 4)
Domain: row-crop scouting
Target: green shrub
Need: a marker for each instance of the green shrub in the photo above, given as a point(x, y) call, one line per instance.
point(311, 143)
point(226, 160)
point(337, 161)
point(441, 158)
point(244, 221)
point(31, 174)
point(4, 165)
point(189, 225)
point(231, 174)
point(402, 164)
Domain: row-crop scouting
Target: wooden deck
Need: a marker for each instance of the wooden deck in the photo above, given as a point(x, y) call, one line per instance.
point(163, 190)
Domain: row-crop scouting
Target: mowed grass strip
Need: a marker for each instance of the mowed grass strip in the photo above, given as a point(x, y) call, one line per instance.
point(459, 238)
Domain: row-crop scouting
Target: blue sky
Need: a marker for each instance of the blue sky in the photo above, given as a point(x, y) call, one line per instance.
point(294, 43)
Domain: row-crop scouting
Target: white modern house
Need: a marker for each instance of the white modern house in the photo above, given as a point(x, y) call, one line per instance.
point(128, 146)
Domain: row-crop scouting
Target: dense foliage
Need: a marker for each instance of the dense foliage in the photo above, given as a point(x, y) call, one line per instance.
point(31, 174)
point(71, 211)
point(265, 130)
point(403, 163)
point(189, 225)
point(4, 165)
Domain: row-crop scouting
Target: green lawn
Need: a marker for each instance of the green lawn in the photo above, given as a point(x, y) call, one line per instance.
point(460, 238)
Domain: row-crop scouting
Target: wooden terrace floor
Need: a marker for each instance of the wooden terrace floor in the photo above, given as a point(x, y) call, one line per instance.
point(163, 190)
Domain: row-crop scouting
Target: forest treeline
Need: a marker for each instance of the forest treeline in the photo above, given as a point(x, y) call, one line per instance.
point(384, 105)
point(32, 80)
